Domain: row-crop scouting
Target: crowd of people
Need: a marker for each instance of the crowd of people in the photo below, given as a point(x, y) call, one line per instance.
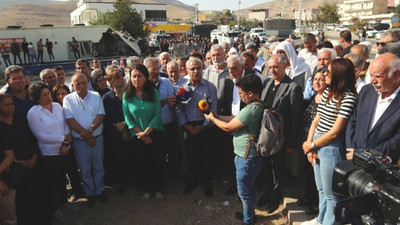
point(31, 55)
point(122, 126)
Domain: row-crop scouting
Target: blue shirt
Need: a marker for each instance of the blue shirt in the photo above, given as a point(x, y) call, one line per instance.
point(179, 83)
point(189, 112)
point(21, 106)
point(166, 89)
point(114, 114)
point(308, 90)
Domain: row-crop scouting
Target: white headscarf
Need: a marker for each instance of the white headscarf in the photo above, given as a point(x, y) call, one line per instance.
point(297, 66)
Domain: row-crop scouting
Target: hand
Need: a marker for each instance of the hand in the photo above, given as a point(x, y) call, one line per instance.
point(125, 136)
point(120, 126)
point(198, 129)
point(4, 189)
point(215, 114)
point(171, 101)
point(141, 135)
point(312, 157)
point(92, 141)
point(148, 140)
point(64, 150)
point(69, 138)
point(349, 154)
point(307, 147)
point(86, 134)
point(209, 117)
point(290, 150)
point(189, 128)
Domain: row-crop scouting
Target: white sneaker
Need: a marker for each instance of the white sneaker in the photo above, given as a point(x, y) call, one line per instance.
point(311, 222)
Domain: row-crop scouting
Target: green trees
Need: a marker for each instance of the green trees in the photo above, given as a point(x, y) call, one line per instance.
point(328, 13)
point(123, 18)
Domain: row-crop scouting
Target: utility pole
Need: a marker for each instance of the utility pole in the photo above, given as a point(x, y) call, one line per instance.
point(197, 12)
point(239, 16)
point(300, 16)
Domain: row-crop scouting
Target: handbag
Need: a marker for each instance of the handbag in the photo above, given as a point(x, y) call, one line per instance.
point(16, 175)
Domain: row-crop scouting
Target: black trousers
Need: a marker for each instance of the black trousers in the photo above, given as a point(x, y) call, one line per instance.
point(274, 172)
point(117, 161)
point(173, 147)
point(198, 156)
point(26, 200)
point(15, 58)
point(52, 184)
point(150, 159)
point(40, 55)
point(26, 54)
point(73, 173)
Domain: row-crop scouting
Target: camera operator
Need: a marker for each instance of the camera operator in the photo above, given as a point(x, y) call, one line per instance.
point(375, 123)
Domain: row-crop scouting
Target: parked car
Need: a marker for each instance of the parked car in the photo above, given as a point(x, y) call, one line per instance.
point(340, 28)
point(330, 26)
point(254, 31)
point(316, 31)
point(262, 36)
point(379, 34)
point(371, 32)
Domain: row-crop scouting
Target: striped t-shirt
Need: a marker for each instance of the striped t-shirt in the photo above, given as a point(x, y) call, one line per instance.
point(328, 111)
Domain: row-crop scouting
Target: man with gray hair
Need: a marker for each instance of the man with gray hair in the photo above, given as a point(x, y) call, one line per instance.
point(133, 60)
point(164, 59)
point(309, 52)
point(286, 96)
point(173, 70)
point(197, 143)
point(358, 63)
point(362, 50)
point(375, 122)
point(217, 72)
point(48, 76)
point(393, 48)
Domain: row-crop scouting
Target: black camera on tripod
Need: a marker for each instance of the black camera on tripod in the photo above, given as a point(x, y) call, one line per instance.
point(371, 186)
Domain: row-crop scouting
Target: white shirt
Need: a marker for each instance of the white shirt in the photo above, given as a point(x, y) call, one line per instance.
point(310, 58)
point(381, 106)
point(84, 111)
point(235, 109)
point(48, 127)
point(359, 85)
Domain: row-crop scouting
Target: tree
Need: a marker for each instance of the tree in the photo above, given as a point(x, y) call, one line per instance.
point(124, 18)
point(328, 13)
point(358, 24)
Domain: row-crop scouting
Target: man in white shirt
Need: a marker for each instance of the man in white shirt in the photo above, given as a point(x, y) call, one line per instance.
point(375, 123)
point(358, 63)
point(84, 113)
point(309, 52)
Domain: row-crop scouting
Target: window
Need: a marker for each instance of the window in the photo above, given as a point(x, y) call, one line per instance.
point(85, 49)
point(156, 15)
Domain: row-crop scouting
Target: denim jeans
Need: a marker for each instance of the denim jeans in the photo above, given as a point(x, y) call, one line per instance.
point(328, 156)
point(247, 171)
point(90, 163)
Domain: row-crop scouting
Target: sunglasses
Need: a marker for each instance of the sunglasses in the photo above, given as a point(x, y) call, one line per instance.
point(383, 44)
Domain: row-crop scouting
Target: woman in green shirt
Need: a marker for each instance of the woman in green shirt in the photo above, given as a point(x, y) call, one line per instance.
point(142, 111)
point(248, 162)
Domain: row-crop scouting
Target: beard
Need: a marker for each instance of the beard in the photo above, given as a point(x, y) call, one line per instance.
point(218, 63)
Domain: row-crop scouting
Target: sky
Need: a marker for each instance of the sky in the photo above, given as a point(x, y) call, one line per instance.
point(223, 4)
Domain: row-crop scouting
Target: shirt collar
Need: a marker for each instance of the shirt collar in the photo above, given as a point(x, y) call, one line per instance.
point(391, 97)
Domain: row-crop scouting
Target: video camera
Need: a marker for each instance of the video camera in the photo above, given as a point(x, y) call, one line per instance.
point(372, 187)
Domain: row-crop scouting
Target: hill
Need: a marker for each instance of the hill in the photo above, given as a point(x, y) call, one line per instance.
point(58, 14)
point(286, 6)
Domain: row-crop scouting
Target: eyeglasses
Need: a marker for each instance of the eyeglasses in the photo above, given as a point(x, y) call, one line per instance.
point(383, 44)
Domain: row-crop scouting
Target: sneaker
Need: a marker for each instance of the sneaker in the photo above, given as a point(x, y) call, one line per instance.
point(239, 216)
point(160, 197)
point(59, 216)
point(311, 222)
point(146, 196)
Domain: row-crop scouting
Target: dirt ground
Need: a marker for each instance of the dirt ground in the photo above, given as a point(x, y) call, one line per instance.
point(129, 208)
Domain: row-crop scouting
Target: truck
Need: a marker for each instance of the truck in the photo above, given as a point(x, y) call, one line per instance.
point(281, 27)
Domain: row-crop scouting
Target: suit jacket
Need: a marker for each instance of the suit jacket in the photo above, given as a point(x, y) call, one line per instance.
point(228, 98)
point(385, 135)
point(289, 103)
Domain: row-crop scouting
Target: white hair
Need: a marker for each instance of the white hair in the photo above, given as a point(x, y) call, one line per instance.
point(236, 58)
point(43, 72)
point(331, 50)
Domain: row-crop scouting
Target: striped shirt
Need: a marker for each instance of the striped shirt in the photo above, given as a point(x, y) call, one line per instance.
point(328, 111)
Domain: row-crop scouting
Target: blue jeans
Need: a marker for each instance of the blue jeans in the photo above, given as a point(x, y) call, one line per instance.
point(90, 163)
point(328, 156)
point(247, 171)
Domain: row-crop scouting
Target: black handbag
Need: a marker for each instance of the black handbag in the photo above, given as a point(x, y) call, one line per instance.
point(16, 175)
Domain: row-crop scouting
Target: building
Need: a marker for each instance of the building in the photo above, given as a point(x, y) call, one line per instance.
point(306, 14)
point(359, 8)
point(259, 14)
point(88, 10)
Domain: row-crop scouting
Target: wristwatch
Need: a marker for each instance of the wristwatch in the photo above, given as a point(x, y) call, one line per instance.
point(313, 145)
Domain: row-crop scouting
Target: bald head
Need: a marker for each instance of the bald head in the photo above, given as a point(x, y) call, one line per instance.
point(361, 50)
point(385, 74)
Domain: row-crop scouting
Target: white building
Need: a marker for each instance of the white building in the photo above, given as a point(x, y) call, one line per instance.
point(306, 14)
point(91, 9)
point(359, 8)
